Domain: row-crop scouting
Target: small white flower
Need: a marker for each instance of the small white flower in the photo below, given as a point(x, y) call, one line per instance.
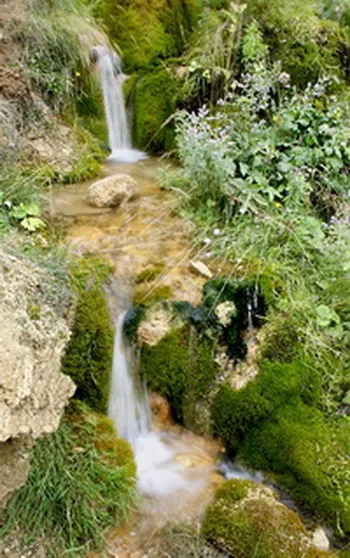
point(216, 232)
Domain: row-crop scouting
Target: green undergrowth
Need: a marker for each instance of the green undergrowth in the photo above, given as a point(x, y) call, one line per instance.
point(181, 367)
point(145, 294)
point(245, 523)
point(81, 482)
point(88, 356)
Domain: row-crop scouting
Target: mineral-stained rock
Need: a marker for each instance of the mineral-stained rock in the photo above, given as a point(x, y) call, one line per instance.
point(33, 335)
point(160, 408)
point(112, 191)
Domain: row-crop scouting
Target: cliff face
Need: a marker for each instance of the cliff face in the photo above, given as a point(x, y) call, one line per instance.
point(33, 392)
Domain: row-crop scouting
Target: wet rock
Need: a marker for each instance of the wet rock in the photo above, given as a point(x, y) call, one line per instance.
point(158, 322)
point(320, 539)
point(201, 269)
point(160, 408)
point(112, 191)
point(225, 312)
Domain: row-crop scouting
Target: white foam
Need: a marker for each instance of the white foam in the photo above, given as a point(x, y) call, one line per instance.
point(126, 156)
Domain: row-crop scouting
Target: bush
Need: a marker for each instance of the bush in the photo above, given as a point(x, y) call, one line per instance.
point(246, 521)
point(82, 481)
point(88, 357)
point(309, 456)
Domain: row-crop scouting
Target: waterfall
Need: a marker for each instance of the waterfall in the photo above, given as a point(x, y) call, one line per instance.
point(128, 404)
point(111, 78)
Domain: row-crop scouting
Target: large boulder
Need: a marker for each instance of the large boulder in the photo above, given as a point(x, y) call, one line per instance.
point(112, 191)
point(33, 336)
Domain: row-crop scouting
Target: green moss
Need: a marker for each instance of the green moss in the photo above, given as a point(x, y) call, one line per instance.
point(132, 321)
point(148, 32)
point(309, 455)
point(235, 413)
point(88, 358)
point(306, 45)
point(254, 526)
point(181, 367)
point(81, 482)
point(154, 102)
point(150, 273)
point(146, 294)
point(280, 338)
point(89, 271)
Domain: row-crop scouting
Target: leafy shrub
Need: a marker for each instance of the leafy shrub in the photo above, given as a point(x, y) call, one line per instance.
point(82, 481)
point(88, 357)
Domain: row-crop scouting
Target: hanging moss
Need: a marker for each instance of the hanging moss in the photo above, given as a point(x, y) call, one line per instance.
point(88, 358)
point(241, 293)
point(181, 367)
point(154, 101)
point(148, 32)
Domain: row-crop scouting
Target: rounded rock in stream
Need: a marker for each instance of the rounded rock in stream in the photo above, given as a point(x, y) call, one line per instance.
point(112, 191)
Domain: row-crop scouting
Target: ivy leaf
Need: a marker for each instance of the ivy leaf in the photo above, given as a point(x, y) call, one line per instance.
point(18, 212)
point(346, 399)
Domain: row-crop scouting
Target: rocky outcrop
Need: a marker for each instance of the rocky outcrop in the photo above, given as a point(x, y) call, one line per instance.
point(33, 335)
point(112, 191)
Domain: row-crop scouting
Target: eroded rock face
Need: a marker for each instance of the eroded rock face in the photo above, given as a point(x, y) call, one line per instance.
point(33, 335)
point(112, 191)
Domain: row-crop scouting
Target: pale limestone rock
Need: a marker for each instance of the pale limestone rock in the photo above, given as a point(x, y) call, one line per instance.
point(320, 539)
point(201, 269)
point(33, 336)
point(160, 408)
point(157, 324)
point(225, 312)
point(112, 191)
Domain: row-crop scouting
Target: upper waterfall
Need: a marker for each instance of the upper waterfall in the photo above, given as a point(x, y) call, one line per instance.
point(111, 78)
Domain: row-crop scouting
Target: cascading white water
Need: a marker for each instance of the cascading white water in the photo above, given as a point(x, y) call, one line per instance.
point(128, 404)
point(111, 77)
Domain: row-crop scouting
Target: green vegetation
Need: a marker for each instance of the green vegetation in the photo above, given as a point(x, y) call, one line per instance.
point(150, 273)
point(254, 525)
point(88, 357)
point(149, 32)
point(146, 294)
point(181, 367)
point(154, 103)
point(82, 481)
point(309, 455)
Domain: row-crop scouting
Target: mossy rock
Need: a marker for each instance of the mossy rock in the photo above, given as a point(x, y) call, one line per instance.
point(181, 367)
point(148, 32)
point(309, 455)
point(88, 358)
point(145, 294)
point(154, 102)
point(243, 294)
point(235, 413)
point(279, 339)
point(246, 520)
